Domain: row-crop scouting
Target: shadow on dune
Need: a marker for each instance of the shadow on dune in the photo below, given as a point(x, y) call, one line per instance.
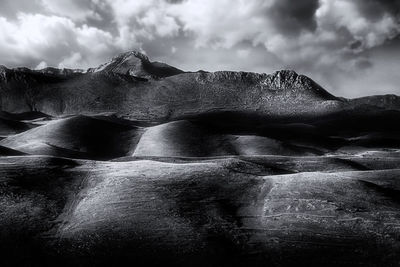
point(105, 137)
point(77, 137)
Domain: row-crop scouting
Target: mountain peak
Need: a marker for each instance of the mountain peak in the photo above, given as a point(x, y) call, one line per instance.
point(133, 53)
point(125, 63)
point(137, 64)
point(285, 73)
point(290, 80)
point(286, 78)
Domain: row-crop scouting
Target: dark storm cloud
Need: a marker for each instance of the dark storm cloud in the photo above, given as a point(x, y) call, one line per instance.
point(104, 18)
point(355, 45)
point(290, 17)
point(375, 9)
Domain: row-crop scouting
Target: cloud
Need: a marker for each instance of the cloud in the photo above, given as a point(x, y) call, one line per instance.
point(71, 60)
point(10, 8)
point(51, 39)
point(375, 9)
point(220, 23)
point(291, 17)
point(41, 65)
point(330, 40)
point(74, 9)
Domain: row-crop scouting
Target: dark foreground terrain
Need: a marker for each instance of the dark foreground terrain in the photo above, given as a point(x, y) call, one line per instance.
point(218, 189)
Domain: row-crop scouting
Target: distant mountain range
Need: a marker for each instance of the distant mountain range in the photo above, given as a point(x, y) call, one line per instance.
point(132, 86)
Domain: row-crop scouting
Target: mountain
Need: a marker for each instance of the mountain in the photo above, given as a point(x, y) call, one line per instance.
point(381, 101)
point(137, 64)
point(132, 86)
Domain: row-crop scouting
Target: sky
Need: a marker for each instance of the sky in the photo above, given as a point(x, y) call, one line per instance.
point(350, 47)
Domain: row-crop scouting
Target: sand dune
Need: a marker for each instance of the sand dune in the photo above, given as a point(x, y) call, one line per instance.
point(181, 138)
point(147, 211)
point(109, 137)
point(197, 192)
point(5, 151)
point(78, 136)
point(13, 123)
point(181, 212)
point(260, 145)
point(179, 207)
point(10, 127)
point(187, 139)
